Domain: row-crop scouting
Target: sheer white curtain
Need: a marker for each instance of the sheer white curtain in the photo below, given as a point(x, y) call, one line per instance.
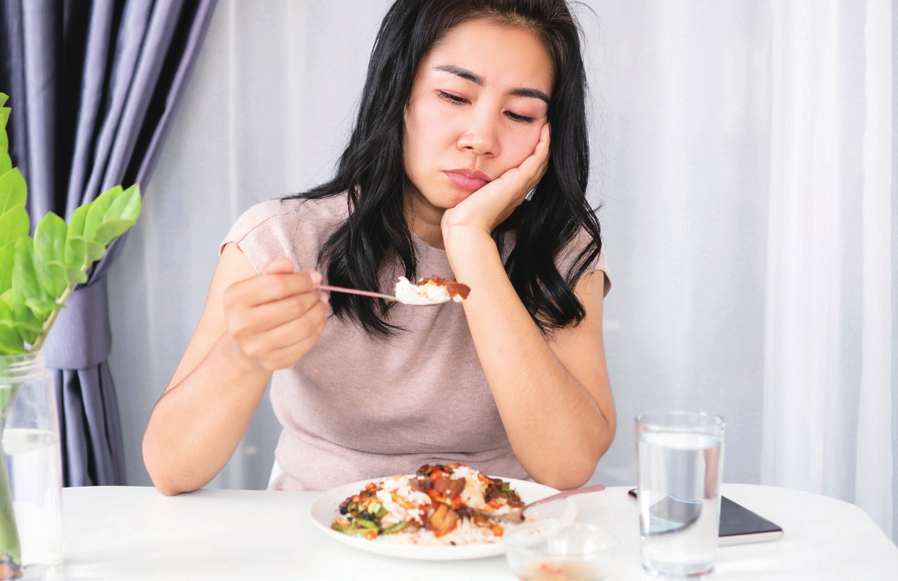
point(745, 166)
point(829, 347)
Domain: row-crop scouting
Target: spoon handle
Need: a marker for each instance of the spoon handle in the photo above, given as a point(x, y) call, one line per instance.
point(566, 493)
point(352, 291)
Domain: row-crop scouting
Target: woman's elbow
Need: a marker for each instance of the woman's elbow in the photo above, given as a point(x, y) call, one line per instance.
point(166, 490)
point(161, 474)
point(167, 484)
point(581, 462)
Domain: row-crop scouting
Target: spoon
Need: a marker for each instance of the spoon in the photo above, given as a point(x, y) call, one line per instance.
point(517, 515)
point(364, 293)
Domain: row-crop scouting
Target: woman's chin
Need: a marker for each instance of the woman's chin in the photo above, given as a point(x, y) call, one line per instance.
point(451, 201)
point(445, 198)
point(457, 196)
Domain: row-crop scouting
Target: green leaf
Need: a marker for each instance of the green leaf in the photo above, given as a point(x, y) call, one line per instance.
point(93, 251)
point(27, 328)
point(76, 222)
point(75, 253)
point(13, 190)
point(120, 211)
point(7, 251)
point(72, 276)
point(75, 249)
point(14, 223)
point(10, 342)
point(49, 246)
point(97, 212)
point(127, 205)
point(5, 162)
point(25, 324)
point(4, 116)
point(25, 284)
point(111, 229)
point(75, 276)
point(24, 276)
point(42, 308)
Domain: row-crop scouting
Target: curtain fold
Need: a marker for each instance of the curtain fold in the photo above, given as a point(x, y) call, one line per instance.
point(83, 78)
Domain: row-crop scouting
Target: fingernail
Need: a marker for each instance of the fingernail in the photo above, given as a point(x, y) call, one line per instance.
point(315, 276)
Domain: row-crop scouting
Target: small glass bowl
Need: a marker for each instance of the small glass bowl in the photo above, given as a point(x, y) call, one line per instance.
point(552, 550)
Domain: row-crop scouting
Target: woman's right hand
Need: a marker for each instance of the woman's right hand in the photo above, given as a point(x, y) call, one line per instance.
point(273, 318)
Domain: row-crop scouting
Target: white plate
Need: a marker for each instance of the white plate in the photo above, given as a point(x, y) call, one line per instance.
point(326, 508)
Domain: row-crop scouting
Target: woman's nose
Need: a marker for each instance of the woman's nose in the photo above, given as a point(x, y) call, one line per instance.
point(481, 136)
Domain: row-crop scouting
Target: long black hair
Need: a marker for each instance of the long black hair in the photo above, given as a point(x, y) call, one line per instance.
point(372, 173)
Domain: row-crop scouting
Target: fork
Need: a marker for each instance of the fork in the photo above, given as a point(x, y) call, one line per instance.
point(516, 516)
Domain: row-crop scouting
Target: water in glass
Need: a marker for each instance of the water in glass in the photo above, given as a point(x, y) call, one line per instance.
point(679, 502)
point(34, 468)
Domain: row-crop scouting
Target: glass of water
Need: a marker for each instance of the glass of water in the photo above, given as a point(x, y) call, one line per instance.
point(680, 463)
point(33, 462)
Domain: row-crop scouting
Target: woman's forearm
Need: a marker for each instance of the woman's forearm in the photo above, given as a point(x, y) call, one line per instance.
point(559, 416)
point(252, 324)
point(198, 423)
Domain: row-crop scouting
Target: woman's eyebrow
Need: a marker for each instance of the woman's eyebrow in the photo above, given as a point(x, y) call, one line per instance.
point(474, 78)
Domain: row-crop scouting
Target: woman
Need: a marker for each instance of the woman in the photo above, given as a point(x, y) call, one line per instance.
point(453, 133)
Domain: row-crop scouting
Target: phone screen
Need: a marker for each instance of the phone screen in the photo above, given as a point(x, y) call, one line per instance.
point(737, 523)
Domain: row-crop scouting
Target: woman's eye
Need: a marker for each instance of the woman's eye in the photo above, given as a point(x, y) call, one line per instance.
point(455, 99)
point(519, 118)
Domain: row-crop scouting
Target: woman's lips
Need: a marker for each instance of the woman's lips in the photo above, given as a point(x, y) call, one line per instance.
point(467, 179)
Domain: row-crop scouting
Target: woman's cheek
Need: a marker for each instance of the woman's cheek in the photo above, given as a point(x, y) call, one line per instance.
point(523, 147)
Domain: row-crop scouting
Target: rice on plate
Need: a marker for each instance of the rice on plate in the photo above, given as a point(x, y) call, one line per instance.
point(435, 507)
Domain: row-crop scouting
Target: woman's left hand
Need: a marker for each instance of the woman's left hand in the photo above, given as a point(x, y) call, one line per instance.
point(493, 203)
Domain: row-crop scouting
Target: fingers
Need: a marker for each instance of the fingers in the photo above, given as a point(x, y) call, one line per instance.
point(279, 265)
point(269, 315)
point(537, 164)
point(278, 281)
point(276, 316)
point(282, 346)
point(520, 180)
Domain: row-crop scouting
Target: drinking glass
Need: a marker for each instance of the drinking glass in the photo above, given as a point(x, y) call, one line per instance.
point(33, 462)
point(680, 463)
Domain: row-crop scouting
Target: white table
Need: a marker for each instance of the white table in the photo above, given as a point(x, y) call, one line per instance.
point(137, 533)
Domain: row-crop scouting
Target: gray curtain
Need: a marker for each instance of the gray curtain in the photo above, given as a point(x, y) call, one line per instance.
point(93, 87)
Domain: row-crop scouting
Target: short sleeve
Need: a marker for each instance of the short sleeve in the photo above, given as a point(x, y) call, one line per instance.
point(293, 228)
point(602, 265)
point(572, 252)
point(261, 233)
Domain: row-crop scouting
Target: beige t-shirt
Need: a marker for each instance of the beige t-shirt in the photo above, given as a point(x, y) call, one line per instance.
point(358, 407)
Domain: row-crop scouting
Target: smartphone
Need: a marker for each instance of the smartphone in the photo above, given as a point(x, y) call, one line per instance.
point(737, 524)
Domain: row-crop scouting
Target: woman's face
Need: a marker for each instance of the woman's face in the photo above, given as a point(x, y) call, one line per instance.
point(478, 102)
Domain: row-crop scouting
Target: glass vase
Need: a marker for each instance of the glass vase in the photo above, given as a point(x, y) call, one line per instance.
point(31, 475)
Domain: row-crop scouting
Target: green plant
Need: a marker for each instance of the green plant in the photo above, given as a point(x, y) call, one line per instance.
point(37, 275)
